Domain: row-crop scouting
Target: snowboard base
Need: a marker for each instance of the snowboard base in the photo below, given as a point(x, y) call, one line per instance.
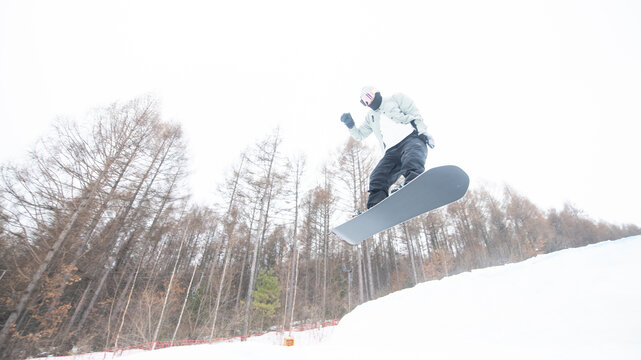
point(432, 189)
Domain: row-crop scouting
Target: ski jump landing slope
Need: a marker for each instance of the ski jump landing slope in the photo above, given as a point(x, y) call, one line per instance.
point(582, 303)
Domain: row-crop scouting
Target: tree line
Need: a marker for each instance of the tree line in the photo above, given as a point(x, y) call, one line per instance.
point(102, 248)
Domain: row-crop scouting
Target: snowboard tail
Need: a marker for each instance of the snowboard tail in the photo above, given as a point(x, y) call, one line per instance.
point(434, 188)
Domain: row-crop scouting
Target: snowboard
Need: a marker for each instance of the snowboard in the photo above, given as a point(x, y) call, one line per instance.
point(432, 189)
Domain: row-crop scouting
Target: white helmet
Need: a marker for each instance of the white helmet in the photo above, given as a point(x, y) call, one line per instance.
point(367, 95)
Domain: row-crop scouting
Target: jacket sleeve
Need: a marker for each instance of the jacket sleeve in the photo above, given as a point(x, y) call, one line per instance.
point(406, 112)
point(361, 132)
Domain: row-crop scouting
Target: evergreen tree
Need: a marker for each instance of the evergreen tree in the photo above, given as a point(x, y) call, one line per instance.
point(266, 296)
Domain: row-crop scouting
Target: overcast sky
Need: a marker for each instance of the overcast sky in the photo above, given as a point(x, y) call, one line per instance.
point(542, 95)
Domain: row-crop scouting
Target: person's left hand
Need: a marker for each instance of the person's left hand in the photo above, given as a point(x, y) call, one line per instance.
point(429, 140)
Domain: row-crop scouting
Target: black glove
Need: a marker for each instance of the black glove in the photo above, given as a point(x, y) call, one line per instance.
point(347, 120)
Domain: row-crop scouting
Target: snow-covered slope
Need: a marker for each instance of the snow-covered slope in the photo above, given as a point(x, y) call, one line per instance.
point(582, 303)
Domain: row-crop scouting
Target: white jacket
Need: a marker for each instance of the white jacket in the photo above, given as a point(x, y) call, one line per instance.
point(398, 108)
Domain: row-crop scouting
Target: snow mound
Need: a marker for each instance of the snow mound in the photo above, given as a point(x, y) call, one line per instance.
point(577, 302)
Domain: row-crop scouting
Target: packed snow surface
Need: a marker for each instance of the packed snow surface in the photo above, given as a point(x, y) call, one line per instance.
point(582, 303)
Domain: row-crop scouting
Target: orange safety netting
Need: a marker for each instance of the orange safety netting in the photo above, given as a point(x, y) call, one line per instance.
point(170, 343)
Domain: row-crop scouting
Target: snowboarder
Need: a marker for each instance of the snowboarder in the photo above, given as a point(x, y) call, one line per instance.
point(402, 136)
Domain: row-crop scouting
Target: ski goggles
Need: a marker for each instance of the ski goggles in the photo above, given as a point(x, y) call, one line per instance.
point(367, 98)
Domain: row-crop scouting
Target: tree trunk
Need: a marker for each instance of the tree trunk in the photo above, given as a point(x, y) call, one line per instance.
point(291, 318)
point(230, 242)
point(184, 303)
point(250, 286)
point(361, 290)
point(171, 280)
point(124, 313)
point(410, 250)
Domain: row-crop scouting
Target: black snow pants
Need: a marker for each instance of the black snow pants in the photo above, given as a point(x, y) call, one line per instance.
point(406, 158)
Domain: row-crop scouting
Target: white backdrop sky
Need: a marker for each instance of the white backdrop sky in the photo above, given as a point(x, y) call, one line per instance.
point(542, 95)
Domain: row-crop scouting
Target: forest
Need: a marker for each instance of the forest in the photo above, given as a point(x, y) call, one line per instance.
point(102, 246)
